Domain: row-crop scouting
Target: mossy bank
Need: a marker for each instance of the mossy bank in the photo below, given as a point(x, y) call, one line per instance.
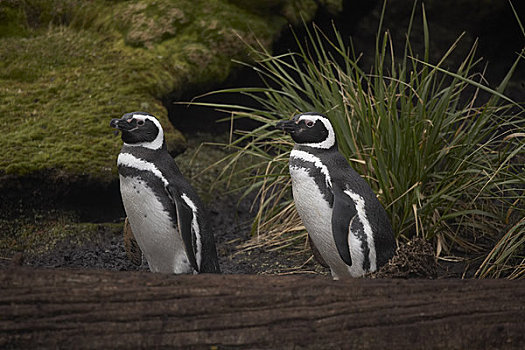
point(68, 66)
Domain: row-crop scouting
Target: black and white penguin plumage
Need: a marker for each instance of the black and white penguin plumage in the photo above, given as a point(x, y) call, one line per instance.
point(343, 217)
point(166, 216)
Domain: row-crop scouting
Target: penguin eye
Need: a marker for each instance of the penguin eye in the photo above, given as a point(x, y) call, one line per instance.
point(140, 122)
point(309, 123)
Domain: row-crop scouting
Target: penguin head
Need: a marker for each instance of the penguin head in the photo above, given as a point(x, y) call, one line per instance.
point(139, 129)
point(310, 129)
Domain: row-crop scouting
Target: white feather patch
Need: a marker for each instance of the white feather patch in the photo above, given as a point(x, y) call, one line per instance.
point(360, 207)
point(330, 139)
point(129, 160)
point(196, 229)
point(316, 162)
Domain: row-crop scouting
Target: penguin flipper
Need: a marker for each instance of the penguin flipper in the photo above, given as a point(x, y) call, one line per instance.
point(184, 220)
point(343, 212)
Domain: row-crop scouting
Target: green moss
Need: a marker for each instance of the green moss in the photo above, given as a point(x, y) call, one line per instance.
point(12, 20)
point(78, 64)
point(145, 23)
point(42, 231)
point(58, 115)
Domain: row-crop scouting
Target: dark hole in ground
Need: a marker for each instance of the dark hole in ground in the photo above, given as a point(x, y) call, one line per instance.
point(190, 118)
point(89, 199)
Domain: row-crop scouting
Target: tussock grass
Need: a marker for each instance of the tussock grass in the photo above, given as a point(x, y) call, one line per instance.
point(443, 150)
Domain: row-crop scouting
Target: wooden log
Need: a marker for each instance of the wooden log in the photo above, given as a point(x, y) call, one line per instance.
point(94, 309)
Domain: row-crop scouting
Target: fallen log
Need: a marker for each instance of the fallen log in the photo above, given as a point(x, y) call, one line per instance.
point(95, 309)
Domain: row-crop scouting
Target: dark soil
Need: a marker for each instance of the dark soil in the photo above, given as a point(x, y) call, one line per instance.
point(231, 220)
point(414, 259)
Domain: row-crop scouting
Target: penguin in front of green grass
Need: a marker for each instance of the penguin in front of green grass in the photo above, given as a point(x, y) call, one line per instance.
point(165, 214)
point(344, 219)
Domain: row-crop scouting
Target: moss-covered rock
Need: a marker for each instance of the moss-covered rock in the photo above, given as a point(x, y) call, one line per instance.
point(68, 66)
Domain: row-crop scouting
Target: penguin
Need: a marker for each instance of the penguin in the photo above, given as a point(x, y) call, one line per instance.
point(345, 221)
point(165, 214)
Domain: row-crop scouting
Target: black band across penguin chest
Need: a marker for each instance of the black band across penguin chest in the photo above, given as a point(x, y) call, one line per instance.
point(154, 183)
point(316, 170)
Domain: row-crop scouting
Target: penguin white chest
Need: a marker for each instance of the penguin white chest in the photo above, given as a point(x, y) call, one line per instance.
point(316, 215)
point(313, 208)
point(153, 228)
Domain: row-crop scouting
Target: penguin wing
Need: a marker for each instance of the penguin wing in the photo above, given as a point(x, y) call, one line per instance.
point(184, 221)
point(342, 214)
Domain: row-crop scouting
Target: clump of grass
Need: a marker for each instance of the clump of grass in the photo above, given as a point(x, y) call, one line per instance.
point(443, 151)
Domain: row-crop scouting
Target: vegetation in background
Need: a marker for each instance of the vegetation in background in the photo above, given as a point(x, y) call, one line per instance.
point(444, 152)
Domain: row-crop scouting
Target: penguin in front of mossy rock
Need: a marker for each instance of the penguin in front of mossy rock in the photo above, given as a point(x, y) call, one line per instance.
point(344, 219)
point(166, 216)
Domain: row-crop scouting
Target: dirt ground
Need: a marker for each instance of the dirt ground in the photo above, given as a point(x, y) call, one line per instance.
point(105, 250)
point(231, 220)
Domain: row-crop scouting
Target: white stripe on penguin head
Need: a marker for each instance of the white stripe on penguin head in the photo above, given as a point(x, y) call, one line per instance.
point(159, 140)
point(330, 139)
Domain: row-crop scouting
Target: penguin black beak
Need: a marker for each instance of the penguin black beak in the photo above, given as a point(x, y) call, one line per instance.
point(286, 125)
point(123, 124)
point(114, 124)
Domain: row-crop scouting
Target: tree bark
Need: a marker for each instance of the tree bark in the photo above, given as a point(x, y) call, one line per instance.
point(94, 309)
